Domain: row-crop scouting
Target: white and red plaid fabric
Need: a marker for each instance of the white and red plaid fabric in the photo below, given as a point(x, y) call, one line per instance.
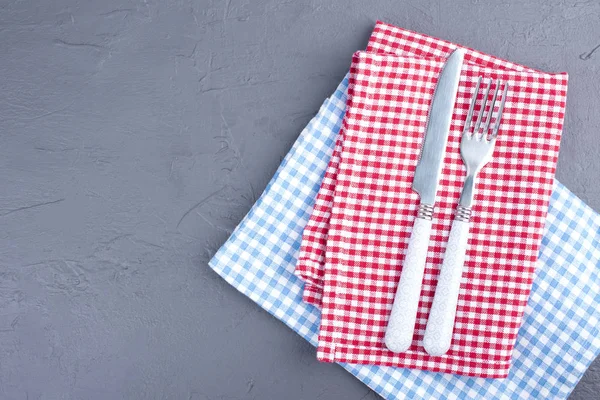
point(353, 246)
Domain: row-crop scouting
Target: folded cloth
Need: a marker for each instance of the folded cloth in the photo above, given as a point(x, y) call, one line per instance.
point(560, 334)
point(372, 207)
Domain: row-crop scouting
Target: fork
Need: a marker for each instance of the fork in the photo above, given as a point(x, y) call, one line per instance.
point(476, 149)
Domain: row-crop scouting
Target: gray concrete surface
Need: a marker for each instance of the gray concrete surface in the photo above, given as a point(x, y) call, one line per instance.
point(118, 117)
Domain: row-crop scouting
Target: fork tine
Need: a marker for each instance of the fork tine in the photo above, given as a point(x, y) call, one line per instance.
point(500, 110)
point(482, 111)
point(488, 120)
point(468, 121)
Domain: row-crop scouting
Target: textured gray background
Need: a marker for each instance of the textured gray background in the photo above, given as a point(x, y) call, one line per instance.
point(134, 135)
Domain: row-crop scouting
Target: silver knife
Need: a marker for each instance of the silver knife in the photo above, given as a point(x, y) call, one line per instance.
point(401, 324)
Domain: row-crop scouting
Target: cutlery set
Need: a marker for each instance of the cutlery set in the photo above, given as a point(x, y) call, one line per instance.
point(476, 149)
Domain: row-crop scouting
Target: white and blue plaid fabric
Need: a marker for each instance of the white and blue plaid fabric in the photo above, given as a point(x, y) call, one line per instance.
point(560, 335)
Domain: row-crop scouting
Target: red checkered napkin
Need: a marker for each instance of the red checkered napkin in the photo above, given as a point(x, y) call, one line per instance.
point(353, 246)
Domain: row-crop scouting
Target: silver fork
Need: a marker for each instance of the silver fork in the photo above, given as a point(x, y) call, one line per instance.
point(476, 149)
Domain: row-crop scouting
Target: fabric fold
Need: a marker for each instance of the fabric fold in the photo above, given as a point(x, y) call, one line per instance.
point(371, 207)
point(560, 332)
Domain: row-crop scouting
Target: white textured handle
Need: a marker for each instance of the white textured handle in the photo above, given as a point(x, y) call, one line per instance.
point(401, 325)
point(440, 324)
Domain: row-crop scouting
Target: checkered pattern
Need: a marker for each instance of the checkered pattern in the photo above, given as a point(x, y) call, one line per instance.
point(372, 207)
point(560, 335)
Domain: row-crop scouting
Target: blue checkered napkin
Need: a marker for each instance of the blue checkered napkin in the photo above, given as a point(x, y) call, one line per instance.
point(560, 335)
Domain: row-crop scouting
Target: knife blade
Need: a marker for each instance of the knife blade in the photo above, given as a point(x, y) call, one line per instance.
point(401, 324)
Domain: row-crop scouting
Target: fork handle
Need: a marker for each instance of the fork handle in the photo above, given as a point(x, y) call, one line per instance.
point(440, 323)
point(401, 324)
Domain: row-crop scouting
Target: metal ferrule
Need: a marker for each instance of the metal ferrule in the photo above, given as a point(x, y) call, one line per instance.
point(463, 214)
point(425, 211)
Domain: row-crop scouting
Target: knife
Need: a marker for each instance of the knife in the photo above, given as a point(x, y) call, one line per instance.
point(401, 324)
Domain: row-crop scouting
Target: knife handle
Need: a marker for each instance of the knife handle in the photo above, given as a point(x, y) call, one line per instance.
point(440, 323)
point(401, 325)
